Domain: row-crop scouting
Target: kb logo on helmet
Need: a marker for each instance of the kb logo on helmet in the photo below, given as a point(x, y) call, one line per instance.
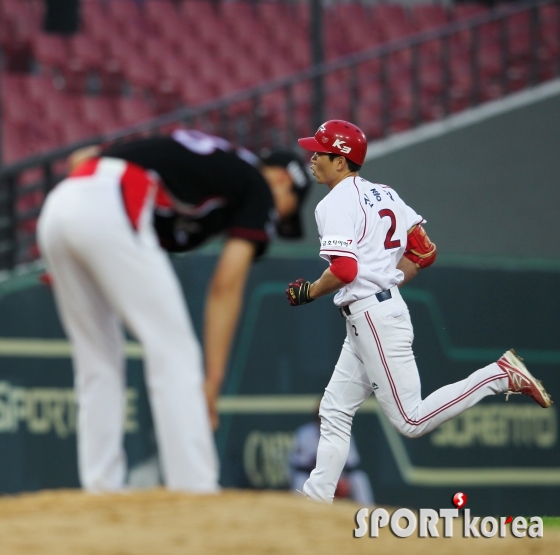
point(339, 144)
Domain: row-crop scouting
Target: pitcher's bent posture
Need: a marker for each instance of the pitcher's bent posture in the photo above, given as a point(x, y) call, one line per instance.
point(104, 231)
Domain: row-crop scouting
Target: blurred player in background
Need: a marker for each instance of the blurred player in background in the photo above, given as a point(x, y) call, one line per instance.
point(375, 243)
point(101, 232)
point(353, 482)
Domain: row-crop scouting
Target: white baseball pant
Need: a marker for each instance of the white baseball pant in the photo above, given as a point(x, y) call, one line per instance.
point(377, 357)
point(105, 273)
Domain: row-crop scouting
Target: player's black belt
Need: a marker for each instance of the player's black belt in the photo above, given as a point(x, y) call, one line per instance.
point(383, 296)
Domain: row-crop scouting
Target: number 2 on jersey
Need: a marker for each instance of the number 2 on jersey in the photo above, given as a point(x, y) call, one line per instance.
point(390, 243)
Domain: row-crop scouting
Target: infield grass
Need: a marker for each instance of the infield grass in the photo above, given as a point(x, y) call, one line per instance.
point(551, 522)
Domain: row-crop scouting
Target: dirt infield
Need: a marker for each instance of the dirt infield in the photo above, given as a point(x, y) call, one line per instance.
point(157, 522)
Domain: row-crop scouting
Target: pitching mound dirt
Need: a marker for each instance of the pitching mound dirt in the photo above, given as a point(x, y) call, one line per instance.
point(158, 522)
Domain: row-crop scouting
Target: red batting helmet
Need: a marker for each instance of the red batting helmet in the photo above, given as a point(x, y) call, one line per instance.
point(338, 137)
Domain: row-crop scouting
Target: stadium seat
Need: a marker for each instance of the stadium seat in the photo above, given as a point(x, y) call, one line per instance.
point(463, 11)
point(19, 108)
point(37, 86)
point(431, 79)
point(125, 11)
point(51, 51)
point(369, 118)
point(15, 40)
point(141, 73)
point(90, 52)
point(13, 149)
point(133, 110)
point(272, 14)
point(102, 28)
point(61, 108)
point(99, 111)
point(428, 16)
point(549, 41)
point(161, 14)
point(111, 77)
point(392, 21)
point(194, 91)
point(12, 84)
point(74, 130)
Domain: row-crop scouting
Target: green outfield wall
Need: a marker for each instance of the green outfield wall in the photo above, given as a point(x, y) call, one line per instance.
point(505, 456)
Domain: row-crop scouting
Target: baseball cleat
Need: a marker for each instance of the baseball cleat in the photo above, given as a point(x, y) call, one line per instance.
point(521, 381)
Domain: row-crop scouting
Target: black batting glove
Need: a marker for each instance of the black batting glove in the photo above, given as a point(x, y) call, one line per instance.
point(298, 292)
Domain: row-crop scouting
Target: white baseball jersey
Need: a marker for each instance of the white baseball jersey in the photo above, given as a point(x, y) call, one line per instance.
point(368, 222)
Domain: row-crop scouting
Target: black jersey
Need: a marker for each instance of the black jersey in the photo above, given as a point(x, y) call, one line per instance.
point(215, 187)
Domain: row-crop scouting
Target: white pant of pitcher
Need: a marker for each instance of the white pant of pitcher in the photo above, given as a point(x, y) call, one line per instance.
point(107, 274)
point(377, 357)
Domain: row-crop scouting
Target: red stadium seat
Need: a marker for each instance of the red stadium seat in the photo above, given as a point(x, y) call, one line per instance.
point(75, 75)
point(51, 51)
point(141, 73)
point(15, 40)
point(385, 14)
point(37, 86)
point(59, 107)
point(111, 77)
point(369, 119)
point(89, 51)
point(463, 11)
point(549, 41)
point(428, 16)
point(431, 79)
point(99, 111)
point(13, 147)
point(338, 107)
point(198, 11)
point(352, 13)
point(157, 50)
point(167, 96)
point(364, 35)
point(74, 130)
point(277, 67)
point(392, 21)
point(126, 11)
point(133, 110)
point(195, 91)
point(162, 14)
point(237, 10)
point(102, 28)
point(12, 84)
point(19, 108)
point(272, 13)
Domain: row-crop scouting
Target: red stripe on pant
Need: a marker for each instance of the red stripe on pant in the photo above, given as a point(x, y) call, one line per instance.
point(394, 387)
point(135, 185)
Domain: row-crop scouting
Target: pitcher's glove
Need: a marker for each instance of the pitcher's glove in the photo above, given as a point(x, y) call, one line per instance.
point(298, 292)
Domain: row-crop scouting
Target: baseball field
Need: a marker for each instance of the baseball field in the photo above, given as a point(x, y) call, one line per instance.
point(159, 522)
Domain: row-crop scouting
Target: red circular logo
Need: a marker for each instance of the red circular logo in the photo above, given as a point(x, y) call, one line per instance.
point(459, 500)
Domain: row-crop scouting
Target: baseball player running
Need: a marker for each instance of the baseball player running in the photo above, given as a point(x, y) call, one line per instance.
point(100, 232)
point(375, 243)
